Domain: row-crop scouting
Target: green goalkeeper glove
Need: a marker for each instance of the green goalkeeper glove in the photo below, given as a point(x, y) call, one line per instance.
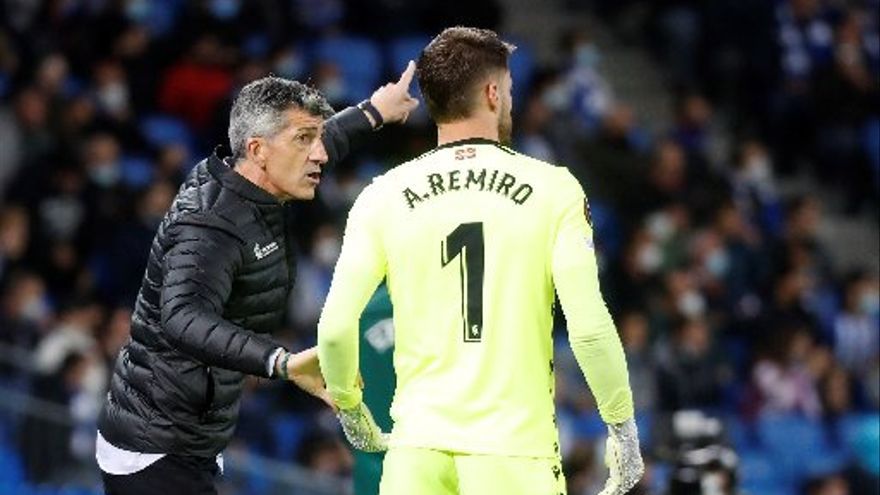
point(361, 429)
point(623, 458)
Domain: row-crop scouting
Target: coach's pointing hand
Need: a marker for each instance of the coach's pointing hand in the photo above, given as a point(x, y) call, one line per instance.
point(393, 100)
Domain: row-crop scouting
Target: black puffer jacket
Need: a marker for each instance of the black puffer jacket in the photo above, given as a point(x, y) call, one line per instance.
point(218, 277)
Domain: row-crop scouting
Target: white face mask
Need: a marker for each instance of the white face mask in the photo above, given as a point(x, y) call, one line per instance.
point(649, 258)
point(691, 304)
point(105, 174)
point(137, 10)
point(869, 303)
point(660, 226)
point(326, 251)
point(718, 263)
point(36, 310)
point(113, 98)
point(94, 380)
point(586, 55)
point(224, 9)
point(556, 97)
point(758, 170)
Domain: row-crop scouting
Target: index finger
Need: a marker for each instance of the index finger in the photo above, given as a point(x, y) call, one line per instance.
point(407, 75)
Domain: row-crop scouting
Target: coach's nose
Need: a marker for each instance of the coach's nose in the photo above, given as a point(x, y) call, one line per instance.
point(318, 154)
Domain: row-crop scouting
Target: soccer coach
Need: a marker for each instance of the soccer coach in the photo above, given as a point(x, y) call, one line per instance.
point(219, 273)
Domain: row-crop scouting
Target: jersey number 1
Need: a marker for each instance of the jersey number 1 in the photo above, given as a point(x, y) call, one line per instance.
point(466, 243)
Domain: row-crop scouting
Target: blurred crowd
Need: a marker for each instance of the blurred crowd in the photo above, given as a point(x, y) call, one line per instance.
point(726, 298)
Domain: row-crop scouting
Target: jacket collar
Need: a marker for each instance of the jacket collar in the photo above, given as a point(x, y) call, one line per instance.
point(223, 172)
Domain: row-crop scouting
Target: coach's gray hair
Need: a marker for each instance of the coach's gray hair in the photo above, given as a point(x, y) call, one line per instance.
point(259, 108)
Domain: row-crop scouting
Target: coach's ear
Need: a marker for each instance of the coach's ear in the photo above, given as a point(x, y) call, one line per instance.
point(255, 150)
point(493, 94)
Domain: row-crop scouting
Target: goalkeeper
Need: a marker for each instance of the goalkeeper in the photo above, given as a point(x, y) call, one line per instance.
point(474, 239)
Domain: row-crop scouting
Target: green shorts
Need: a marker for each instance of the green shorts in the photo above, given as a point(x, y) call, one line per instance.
point(432, 472)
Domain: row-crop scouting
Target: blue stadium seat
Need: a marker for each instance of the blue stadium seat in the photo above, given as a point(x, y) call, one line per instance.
point(788, 437)
point(11, 468)
point(161, 15)
point(73, 86)
point(288, 430)
point(589, 426)
point(402, 50)
point(759, 473)
point(661, 473)
point(740, 434)
point(161, 130)
point(861, 436)
point(522, 67)
point(606, 226)
point(137, 171)
point(824, 463)
point(359, 61)
point(645, 423)
point(399, 52)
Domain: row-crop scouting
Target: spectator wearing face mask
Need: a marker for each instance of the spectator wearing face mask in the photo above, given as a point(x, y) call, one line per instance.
point(856, 336)
point(25, 311)
point(28, 141)
point(754, 189)
point(314, 274)
point(635, 335)
point(782, 376)
point(48, 446)
point(691, 374)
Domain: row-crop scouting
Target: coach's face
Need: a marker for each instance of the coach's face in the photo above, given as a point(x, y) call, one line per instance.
point(294, 157)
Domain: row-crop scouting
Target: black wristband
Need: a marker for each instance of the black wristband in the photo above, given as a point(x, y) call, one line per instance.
point(283, 369)
point(368, 107)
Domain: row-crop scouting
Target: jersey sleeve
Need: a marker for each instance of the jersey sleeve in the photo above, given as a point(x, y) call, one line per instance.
point(592, 333)
point(359, 270)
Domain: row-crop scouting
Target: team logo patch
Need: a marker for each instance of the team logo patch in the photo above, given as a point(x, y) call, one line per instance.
point(262, 252)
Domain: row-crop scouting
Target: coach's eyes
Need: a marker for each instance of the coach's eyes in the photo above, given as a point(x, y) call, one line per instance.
point(304, 139)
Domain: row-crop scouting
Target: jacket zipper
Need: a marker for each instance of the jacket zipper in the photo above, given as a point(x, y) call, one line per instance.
point(209, 395)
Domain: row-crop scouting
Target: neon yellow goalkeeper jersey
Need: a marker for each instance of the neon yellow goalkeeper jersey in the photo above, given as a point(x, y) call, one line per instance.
point(473, 238)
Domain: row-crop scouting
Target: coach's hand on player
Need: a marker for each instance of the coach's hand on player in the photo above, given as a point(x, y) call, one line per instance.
point(361, 429)
point(304, 370)
point(393, 100)
point(623, 458)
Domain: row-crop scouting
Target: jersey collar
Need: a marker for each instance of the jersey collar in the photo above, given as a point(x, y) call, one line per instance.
point(473, 140)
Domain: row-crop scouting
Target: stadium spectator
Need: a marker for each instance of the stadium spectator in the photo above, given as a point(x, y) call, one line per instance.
point(26, 312)
point(856, 339)
point(690, 373)
point(14, 238)
point(635, 336)
point(783, 378)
